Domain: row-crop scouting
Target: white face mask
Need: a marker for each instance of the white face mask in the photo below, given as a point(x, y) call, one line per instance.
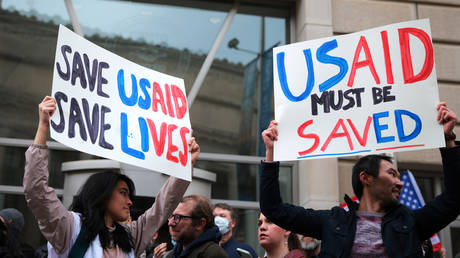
point(222, 224)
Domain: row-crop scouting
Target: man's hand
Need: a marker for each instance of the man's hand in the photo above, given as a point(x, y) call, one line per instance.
point(194, 148)
point(159, 251)
point(270, 135)
point(448, 119)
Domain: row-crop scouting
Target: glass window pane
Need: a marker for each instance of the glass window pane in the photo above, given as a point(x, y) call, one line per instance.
point(246, 229)
point(226, 111)
point(170, 39)
point(12, 164)
point(28, 42)
point(237, 181)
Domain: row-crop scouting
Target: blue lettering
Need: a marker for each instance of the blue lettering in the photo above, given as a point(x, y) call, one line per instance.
point(400, 126)
point(131, 101)
point(144, 134)
point(378, 128)
point(144, 102)
point(124, 138)
point(323, 57)
point(283, 78)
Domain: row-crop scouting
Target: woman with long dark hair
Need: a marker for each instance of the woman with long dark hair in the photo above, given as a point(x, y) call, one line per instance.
point(92, 226)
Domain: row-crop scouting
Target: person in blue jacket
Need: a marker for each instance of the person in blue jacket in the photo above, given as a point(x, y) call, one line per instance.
point(378, 226)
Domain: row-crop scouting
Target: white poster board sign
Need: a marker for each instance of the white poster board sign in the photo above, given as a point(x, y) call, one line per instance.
point(111, 107)
point(367, 92)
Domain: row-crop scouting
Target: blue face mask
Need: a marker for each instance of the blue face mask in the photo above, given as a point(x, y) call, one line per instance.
point(222, 224)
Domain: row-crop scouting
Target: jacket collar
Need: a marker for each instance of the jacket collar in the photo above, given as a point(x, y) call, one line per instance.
point(211, 234)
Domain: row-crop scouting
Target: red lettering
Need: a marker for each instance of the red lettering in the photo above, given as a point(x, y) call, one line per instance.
point(386, 53)
point(171, 147)
point(178, 95)
point(157, 97)
point(184, 155)
point(362, 44)
point(300, 132)
point(169, 101)
point(334, 134)
point(406, 59)
point(158, 142)
point(362, 140)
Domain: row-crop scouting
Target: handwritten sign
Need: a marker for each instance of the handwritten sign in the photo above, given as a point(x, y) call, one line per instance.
point(111, 107)
point(367, 92)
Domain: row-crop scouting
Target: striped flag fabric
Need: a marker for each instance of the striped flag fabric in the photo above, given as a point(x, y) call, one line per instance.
point(413, 199)
point(345, 206)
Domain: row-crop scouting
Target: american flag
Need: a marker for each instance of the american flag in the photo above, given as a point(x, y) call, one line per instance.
point(413, 199)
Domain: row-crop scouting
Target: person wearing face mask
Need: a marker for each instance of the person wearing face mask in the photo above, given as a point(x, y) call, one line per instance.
point(225, 219)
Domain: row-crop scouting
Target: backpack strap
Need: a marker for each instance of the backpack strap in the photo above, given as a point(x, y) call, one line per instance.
point(80, 246)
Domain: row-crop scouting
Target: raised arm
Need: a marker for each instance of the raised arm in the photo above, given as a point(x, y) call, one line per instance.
point(447, 118)
point(143, 229)
point(445, 208)
point(288, 216)
point(54, 220)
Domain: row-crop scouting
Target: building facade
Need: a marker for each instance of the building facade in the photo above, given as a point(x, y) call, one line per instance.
point(221, 49)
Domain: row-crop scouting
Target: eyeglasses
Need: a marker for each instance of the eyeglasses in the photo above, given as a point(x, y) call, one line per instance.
point(177, 217)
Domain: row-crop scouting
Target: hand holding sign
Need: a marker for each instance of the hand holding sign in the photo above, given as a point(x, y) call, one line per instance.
point(270, 135)
point(447, 118)
point(45, 110)
point(194, 148)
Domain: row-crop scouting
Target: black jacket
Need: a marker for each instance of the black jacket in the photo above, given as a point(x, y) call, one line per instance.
point(403, 230)
point(206, 245)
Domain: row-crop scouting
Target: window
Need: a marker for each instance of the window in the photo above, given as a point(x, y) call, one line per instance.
point(173, 38)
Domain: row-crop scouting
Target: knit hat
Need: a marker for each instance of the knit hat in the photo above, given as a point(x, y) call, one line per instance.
point(13, 218)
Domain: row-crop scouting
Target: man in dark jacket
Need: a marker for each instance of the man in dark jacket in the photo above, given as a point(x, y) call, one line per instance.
point(378, 226)
point(192, 226)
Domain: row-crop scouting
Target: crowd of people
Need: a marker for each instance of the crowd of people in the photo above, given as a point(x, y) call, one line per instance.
point(98, 222)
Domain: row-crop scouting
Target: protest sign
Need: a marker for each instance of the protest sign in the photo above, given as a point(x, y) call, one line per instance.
point(367, 92)
point(111, 107)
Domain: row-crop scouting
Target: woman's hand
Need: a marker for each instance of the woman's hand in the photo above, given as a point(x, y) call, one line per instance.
point(45, 110)
point(194, 148)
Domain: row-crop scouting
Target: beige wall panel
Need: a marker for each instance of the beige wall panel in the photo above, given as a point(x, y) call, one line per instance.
point(423, 159)
point(444, 21)
point(450, 93)
point(318, 183)
point(313, 12)
point(355, 15)
point(447, 2)
point(447, 60)
point(314, 32)
point(345, 172)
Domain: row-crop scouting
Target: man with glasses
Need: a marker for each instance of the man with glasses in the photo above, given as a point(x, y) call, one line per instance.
point(192, 227)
